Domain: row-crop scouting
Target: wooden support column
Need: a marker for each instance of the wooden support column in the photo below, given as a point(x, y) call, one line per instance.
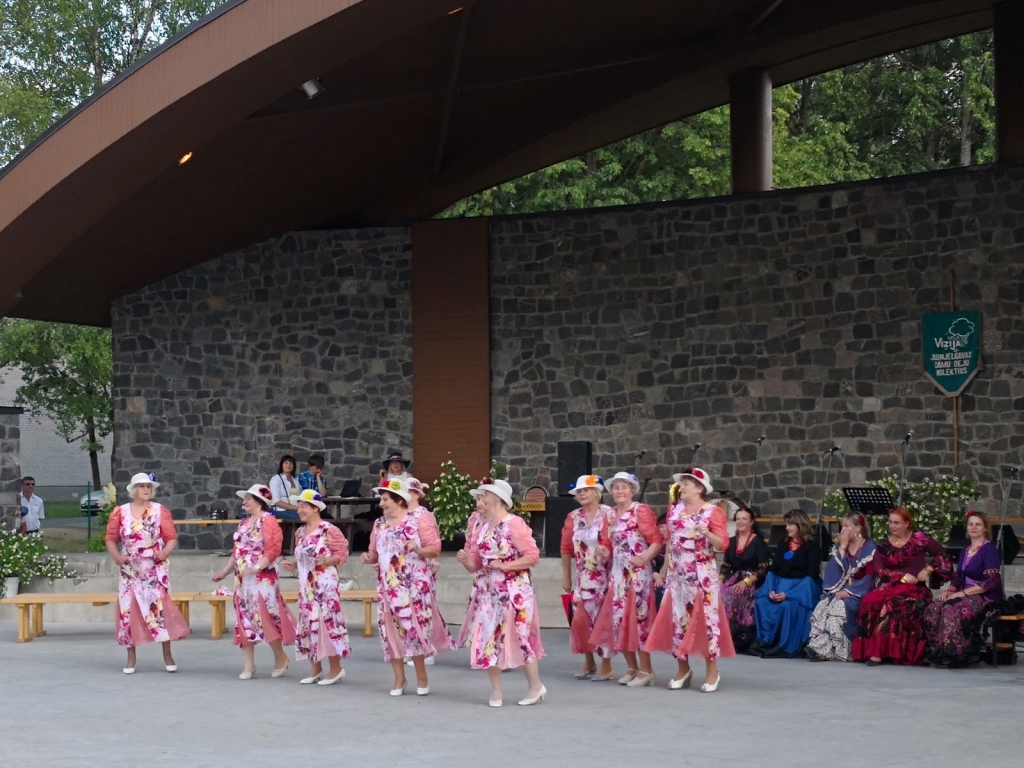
point(451, 346)
point(1008, 20)
point(750, 130)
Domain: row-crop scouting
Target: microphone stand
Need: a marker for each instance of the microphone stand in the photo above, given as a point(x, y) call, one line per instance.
point(903, 470)
point(693, 454)
point(753, 481)
point(824, 488)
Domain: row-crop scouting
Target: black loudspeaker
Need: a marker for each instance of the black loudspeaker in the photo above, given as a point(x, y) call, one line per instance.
point(575, 458)
point(557, 508)
point(1011, 546)
point(957, 540)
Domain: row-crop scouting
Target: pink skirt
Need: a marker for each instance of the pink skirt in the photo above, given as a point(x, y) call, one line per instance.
point(695, 640)
point(175, 623)
point(272, 629)
point(628, 636)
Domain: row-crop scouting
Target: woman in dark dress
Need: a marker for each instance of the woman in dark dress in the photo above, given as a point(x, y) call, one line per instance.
point(782, 611)
point(955, 624)
point(890, 623)
point(743, 568)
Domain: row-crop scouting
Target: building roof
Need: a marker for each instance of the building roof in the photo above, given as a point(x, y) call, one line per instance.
point(422, 104)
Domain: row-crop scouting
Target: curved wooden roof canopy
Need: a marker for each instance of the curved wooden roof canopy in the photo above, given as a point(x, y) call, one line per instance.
point(424, 102)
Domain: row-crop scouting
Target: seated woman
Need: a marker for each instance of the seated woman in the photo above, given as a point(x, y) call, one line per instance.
point(743, 568)
point(955, 624)
point(847, 579)
point(890, 622)
point(783, 604)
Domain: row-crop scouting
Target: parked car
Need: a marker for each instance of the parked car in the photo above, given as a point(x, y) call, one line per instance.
point(93, 503)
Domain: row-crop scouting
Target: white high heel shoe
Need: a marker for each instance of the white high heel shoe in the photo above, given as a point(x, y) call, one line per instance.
point(422, 691)
point(495, 704)
point(171, 667)
point(539, 697)
point(709, 688)
point(279, 672)
point(248, 675)
point(129, 670)
point(675, 685)
point(398, 691)
point(332, 680)
point(312, 679)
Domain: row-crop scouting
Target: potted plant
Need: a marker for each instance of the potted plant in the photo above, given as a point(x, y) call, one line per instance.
point(451, 504)
point(23, 558)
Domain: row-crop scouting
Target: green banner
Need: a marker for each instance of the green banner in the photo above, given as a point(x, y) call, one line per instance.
point(951, 347)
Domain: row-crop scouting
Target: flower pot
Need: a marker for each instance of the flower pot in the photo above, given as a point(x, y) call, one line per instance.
point(11, 586)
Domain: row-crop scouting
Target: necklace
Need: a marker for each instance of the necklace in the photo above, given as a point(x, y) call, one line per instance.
point(746, 543)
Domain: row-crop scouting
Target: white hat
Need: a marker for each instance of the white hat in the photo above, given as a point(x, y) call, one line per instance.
point(499, 488)
point(697, 474)
point(588, 481)
point(261, 493)
point(142, 478)
point(309, 496)
point(625, 477)
point(416, 486)
point(397, 486)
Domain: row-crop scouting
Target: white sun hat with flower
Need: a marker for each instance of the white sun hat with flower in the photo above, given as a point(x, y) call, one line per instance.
point(588, 481)
point(309, 496)
point(397, 486)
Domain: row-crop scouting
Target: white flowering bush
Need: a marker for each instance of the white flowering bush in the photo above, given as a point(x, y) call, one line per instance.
point(935, 504)
point(450, 501)
point(25, 558)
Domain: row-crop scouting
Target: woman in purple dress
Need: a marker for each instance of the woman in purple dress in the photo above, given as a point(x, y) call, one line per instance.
point(956, 622)
point(742, 571)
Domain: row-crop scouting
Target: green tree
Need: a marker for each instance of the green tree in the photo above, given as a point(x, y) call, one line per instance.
point(55, 53)
point(67, 373)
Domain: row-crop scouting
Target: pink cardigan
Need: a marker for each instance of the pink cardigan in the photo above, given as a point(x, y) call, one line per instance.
point(522, 540)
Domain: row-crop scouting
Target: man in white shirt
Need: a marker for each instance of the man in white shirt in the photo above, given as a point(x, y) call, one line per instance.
point(32, 511)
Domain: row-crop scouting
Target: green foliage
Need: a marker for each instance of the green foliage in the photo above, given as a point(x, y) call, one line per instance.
point(55, 53)
point(450, 501)
point(67, 373)
point(25, 558)
point(934, 504)
point(919, 110)
point(98, 541)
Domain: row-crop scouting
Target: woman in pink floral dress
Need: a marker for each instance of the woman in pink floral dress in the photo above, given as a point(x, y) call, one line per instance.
point(401, 544)
point(504, 625)
point(692, 619)
point(586, 545)
point(625, 620)
point(472, 523)
point(260, 612)
point(320, 549)
point(145, 531)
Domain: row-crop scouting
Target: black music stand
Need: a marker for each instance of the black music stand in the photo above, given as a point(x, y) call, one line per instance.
point(869, 501)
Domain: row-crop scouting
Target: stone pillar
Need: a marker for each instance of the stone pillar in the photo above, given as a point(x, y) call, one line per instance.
point(1008, 19)
point(750, 126)
point(10, 466)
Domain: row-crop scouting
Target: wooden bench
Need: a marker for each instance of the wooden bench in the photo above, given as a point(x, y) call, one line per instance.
point(27, 631)
point(218, 605)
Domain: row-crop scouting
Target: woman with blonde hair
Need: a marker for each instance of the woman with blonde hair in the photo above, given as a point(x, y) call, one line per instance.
point(145, 532)
point(782, 610)
point(260, 612)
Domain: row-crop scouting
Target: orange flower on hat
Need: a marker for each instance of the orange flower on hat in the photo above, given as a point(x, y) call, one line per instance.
point(593, 480)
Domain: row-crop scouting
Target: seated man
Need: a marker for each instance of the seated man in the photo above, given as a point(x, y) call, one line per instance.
point(313, 478)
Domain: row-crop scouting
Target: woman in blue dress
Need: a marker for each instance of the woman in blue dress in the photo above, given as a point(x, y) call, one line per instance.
point(848, 577)
point(783, 605)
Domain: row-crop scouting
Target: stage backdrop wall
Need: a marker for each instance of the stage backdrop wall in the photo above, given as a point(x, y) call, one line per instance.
point(794, 315)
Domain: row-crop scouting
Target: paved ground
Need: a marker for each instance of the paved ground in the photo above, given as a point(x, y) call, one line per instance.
point(66, 703)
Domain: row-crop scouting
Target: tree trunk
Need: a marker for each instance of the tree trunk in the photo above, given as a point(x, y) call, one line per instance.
point(965, 123)
point(805, 104)
point(94, 458)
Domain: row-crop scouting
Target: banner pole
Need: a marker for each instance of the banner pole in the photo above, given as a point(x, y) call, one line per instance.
point(956, 420)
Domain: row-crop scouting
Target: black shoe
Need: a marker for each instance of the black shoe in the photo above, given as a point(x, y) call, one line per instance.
point(872, 663)
point(812, 656)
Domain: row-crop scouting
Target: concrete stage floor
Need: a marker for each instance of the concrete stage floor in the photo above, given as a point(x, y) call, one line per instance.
point(67, 703)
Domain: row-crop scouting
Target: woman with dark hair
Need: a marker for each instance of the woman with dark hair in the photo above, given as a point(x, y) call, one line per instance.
point(784, 602)
point(847, 579)
point(260, 612)
point(283, 486)
point(743, 568)
point(402, 543)
point(692, 620)
point(890, 622)
point(955, 624)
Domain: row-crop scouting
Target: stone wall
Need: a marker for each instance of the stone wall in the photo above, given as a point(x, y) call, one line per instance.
point(297, 345)
point(10, 467)
point(794, 315)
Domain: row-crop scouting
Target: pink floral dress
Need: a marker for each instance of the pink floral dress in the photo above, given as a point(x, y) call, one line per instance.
point(692, 618)
point(409, 621)
point(504, 626)
point(627, 614)
point(322, 631)
point(261, 615)
point(145, 613)
point(472, 528)
point(591, 576)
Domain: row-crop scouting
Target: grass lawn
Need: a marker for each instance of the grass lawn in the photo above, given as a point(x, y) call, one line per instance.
point(61, 510)
point(65, 539)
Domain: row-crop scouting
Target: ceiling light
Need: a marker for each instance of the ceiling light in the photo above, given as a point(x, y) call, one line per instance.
point(454, 11)
point(312, 87)
point(185, 158)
